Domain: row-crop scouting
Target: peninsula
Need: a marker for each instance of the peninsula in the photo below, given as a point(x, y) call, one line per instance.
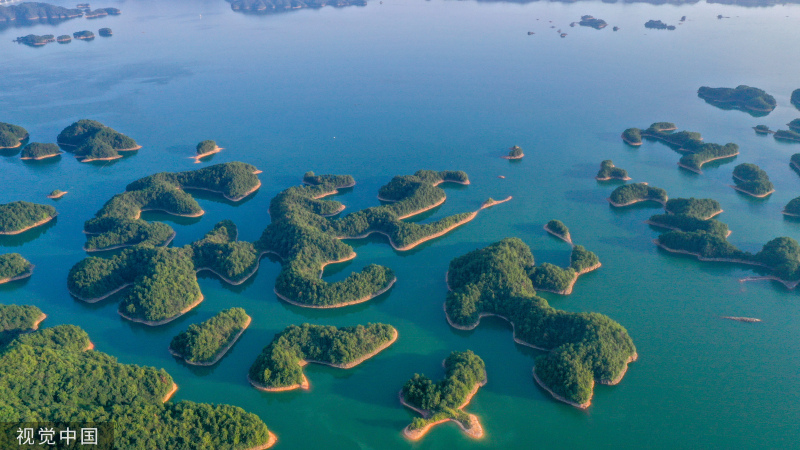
point(90, 140)
point(751, 180)
point(608, 171)
point(628, 194)
point(706, 153)
point(794, 125)
point(11, 136)
point(16, 320)
point(465, 373)
point(205, 344)
point(551, 278)
point(745, 98)
point(37, 151)
point(14, 267)
point(18, 217)
point(632, 136)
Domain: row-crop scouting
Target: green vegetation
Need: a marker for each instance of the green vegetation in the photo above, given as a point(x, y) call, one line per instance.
point(64, 38)
point(515, 152)
point(608, 172)
point(11, 136)
point(787, 135)
point(706, 153)
point(16, 217)
point(48, 376)
point(278, 365)
point(464, 373)
point(658, 25)
point(13, 265)
point(36, 150)
point(105, 32)
point(56, 194)
point(15, 320)
point(551, 278)
point(207, 342)
point(340, 181)
point(220, 252)
point(750, 179)
point(34, 40)
point(701, 208)
point(686, 222)
point(90, 140)
point(662, 126)
point(796, 98)
point(745, 98)
point(583, 347)
point(636, 192)
point(794, 125)
point(793, 207)
point(83, 35)
point(558, 228)
point(762, 129)
point(632, 136)
point(205, 147)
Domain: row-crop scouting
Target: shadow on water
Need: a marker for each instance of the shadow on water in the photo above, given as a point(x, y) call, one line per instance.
point(580, 171)
point(587, 197)
point(16, 240)
point(14, 285)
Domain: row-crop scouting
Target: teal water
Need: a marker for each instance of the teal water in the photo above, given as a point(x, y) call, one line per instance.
point(391, 88)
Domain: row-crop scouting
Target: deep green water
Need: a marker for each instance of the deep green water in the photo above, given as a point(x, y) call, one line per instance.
point(388, 89)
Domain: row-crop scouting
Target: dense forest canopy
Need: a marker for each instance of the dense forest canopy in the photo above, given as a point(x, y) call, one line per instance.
point(202, 343)
point(636, 192)
point(91, 140)
point(276, 6)
point(13, 265)
point(743, 97)
point(17, 216)
point(11, 135)
point(701, 208)
point(609, 171)
point(37, 150)
point(34, 11)
point(752, 179)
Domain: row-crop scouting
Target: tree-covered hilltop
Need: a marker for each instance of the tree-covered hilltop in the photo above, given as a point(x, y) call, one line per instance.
point(105, 32)
point(33, 11)
point(762, 129)
point(90, 140)
point(787, 135)
point(608, 171)
point(628, 194)
point(793, 207)
point(701, 208)
point(796, 98)
point(684, 222)
point(16, 217)
point(582, 347)
point(632, 136)
point(14, 267)
point(117, 224)
point(221, 253)
point(794, 125)
point(279, 364)
point(465, 372)
point(85, 386)
point(11, 136)
point(35, 40)
point(551, 278)
point(745, 98)
point(558, 229)
point(707, 153)
point(56, 194)
point(36, 150)
point(590, 21)
point(206, 343)
point(306, 239)
point(691, 143)
point(83, 35)
point(277, 6)
point(750, 179)
point(206, 147)
point(515, 152)
point(18, 319)
point(64, 39)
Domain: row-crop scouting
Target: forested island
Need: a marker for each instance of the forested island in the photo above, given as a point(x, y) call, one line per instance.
point(16, 319)
point(696, 152)
point(658, 25)
point(608, 171)
point(31, 11)
point(796, 98)
point(745, 98)
point(628, 194)
point(787, 135)
point(794, 125)
point(276, 6)
point(64, 39)
point(581, 347)
point(83, 35)
point(14, 267)
point(206, 148)
point(762, 129)
point(90, 386)
point(792, 208)
point(205, 344)
point(11, 136)
point(591, 21)
point(90, 140)
point(751, 180)
point(690, 215)
point(701, 208)
point(279, 366)
point(559, 230)
point(105, 32)
point(17, 217)
point(36, 151)
point(465, 372)
point(56, 194)
point(34, 40)
point(707, 153)
point(514, 152)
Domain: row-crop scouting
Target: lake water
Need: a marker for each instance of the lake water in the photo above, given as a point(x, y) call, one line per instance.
point(397, 86)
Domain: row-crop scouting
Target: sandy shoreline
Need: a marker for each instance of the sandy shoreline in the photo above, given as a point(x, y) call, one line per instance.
point(700, 166)
point(471, 216)
point(635, 144)
point(584, 405)
point(567, 238)
point(358, 361)
point(661, 225)
point(613, 178)
point(701, 258)
point(417, 212)
point(481, 316)
point(513, 157)
point(750, 193)
point(305, 385)
point(37, 224)
point(39, 320)
point(338, 305)
point(220, 353)
point(492, 202)
point(102, 297)
point(620, 205)
point(55, 197)
point(197, 214)
point(789, 284)
point(233, 199)
point(170, 393)
point(168, 319)
point(568, 289)
point(117, 247)
point(21, 276)
point(200, 156)
point(270, 442)
point(28, 158)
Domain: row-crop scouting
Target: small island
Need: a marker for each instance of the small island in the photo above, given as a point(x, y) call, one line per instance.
point(11, 136)
point(64, 39)
point(706, 153)
point(658, 25)
point(628, 194)
point(632, 136)
point(37, 151)
point(744, 98)
point(18, 217)
point(751, 180)
point(206, 148)
point(608, 171)
point(701, 208)
point(794, 125)
point(465, 373)
point(205, 344)
point(279, 367)
point(559, 230)
point(590, 21)
point(762, 129)
point(787, 135)
point(792, 208)
point(56, 194)
point(90, 140)
point(34, 40)
point(105, 32)
point(796, 98)
point(83, 35)
point(514, 153)
point(14, 267)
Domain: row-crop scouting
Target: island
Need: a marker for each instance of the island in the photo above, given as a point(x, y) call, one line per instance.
point(277, 6)
point(551, 278)
point(83, 35)
point(465, 373)
point(105, 32)
point(701, 208)
point(56, 194)
point(658, 25)
point(514, 153)
point(14, 267)
point(559, 230)
point(206, 148)
point(787, 135)
point(792, 208)
point(98, 389)
point(36, 151)
point(610, 172)
point(34, 40)
point(64, 39)
point(18, 217)
point(745, 98)
point(628, 194)
point(689, 223)
point(706, 153)
point(795, 99)
point(34, 11)
point(590, 21)
point(205, 344)
point(762, 129)
point(279, 367)
point(18, 319)
point(89, 14)
point(794, 162)
point(794, 125)
point(751, 180)
point(582, 348)
point(11, 136)
point(632, 136)
point(90, 140)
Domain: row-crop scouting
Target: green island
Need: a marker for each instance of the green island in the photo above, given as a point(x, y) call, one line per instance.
point(206, 148)
point(608, 171)
point(34, 11)
point(658, 25)
point(83, 385)
point(11, 136)
point(90, 140)
point(581, 348)
point(84, 35)
point(465, 373)
point(792, 208)
point(279, 366)
point(64, 39)
point(205, 344)
point(117, 224)
point(796, 98)
point(18, 319)
point(105, 32)
point(35, 40)
point(514, 152)
point(762, 129)
point(591, 21)
point(751, 180)
point(745, 98)
point(707, 153)
point(794, 125)
point(787, 135)
point(701, 208)
point(559, 230)
point(276, 6)
point(628, 194)
point(56, 194)
point(36, 151)
point(632, 136)
point(551, 278)
point(18, 217)
point(14, 267)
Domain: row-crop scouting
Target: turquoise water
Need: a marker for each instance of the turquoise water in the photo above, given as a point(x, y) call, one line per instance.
point(390, 88)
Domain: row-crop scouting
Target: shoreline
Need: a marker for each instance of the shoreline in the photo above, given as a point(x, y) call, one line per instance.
point(270, 442)
point(661, 225)
point(170, 393)
point(613, 178)
point(197, 214)
point(338, 305)
point(110, 158)
point(305, 385)
point(35, 325)
point(568, 289)
point(583, 405)
point(102, 297)
point(200, 156)
point(233, 199)
point(481, 316)
point(28, 158)
point(635, 144)
point(19, 144)
point(789, 284)
point(702, 258)
point(620, 205)
point(358, 361)
point(489, 204)
point(699, 169)
point(36, 224)
point(167, 320)
point(420, 211)
point(21, 276)
point(220, 353)
point(56, 197)
point(414, 244)
point(513, 157)
point(767, 194)
point(618, 378)
point(117, 247)
point(567, 238)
